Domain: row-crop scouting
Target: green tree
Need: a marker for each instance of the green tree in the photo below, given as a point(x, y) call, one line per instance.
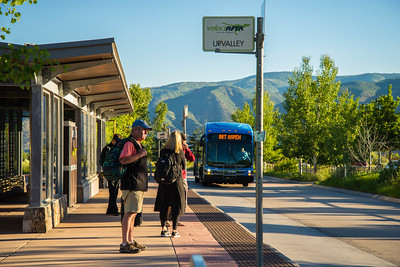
point(310, 106)
point(141, 98)
point(160, 115)
point(387, 120)
point(244, 115)
point(8, 8)
point(343, 130)
point(367, 141)
point(158, 125)
point(19, 64)
point(270, 119)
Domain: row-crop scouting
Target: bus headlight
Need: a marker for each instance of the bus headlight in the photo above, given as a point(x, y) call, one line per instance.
point(249, 172)
point(208, 171)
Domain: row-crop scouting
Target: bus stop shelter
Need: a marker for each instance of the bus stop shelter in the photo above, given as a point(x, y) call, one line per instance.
point(60, 124)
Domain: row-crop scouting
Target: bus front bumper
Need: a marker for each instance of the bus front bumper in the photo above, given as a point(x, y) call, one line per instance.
point(228, 179)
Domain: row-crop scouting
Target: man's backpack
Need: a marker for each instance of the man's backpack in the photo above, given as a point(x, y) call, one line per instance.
point(112, 168)
point(104, 153)
point(167, 169)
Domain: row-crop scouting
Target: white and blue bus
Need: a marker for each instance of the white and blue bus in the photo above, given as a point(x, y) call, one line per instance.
point(224, 154)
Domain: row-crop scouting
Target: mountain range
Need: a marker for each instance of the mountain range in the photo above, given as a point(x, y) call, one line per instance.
point(216, 101)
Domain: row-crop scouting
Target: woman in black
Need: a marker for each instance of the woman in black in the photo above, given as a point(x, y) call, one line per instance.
point(172, 195)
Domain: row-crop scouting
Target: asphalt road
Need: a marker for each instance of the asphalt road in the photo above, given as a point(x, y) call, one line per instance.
point(314, 226)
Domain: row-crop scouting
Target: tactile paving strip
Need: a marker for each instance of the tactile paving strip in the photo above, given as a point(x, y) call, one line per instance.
point(239, 243)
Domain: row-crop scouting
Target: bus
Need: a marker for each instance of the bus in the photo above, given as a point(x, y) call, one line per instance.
point(224, 154)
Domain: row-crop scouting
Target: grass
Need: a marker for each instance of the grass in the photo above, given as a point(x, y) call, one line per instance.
point(386, 182)
point(26, 166)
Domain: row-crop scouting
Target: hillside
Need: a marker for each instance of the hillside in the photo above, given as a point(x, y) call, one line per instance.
point(215, 101)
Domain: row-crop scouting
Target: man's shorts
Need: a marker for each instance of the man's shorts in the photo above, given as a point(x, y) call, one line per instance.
point(133, 201)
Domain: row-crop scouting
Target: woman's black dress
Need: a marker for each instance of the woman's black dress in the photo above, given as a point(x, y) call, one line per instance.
point(172, 195)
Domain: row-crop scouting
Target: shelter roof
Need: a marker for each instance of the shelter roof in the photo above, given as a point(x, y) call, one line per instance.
point(91, 69)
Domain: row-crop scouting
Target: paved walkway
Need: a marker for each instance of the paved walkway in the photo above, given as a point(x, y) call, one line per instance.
point(91, 238)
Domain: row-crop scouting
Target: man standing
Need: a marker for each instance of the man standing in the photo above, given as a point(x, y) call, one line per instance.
point(113, 185)
point(133, 184)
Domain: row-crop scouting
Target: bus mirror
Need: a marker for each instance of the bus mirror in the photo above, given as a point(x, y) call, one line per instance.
point(202, 140)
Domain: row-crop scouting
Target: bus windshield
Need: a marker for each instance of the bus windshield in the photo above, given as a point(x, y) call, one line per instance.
point(229, 154)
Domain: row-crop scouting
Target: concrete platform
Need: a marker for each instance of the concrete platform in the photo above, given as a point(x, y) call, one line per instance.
point(89, 237)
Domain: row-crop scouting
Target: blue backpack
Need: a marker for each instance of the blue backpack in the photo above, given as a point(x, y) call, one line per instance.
point(112, 168)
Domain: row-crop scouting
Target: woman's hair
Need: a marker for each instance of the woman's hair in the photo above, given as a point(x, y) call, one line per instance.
point(174, 142)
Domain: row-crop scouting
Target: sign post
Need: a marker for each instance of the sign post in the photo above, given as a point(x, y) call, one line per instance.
point(259, 144)
point(161, 136)
point(236, 35)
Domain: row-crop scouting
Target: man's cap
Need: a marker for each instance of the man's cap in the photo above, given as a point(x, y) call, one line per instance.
point(141, 123)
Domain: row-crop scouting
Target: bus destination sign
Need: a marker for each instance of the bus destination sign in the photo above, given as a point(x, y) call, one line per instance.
point(230, 137)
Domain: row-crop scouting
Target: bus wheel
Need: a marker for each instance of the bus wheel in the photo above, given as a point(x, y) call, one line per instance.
point(245, 184)
point(203, 180)
point(200, 178)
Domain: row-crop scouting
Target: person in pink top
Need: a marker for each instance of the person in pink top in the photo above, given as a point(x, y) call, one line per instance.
point(188, 154)
point(190, 157)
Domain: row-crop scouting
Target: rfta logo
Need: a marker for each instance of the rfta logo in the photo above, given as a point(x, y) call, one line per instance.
point(228, 27)
point(235, 27)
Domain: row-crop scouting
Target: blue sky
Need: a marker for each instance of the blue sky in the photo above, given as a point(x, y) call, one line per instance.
point(160, 41)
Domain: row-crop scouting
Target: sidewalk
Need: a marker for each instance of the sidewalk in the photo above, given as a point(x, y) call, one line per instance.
point(90, 237)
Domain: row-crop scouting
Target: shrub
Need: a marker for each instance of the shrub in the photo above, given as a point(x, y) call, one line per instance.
point(286, 164)
point(390, 175)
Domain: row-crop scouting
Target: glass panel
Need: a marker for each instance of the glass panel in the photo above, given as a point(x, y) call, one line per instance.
point(45, 109)
point(241, 154)
point(89, 148)
point(93, 135)
point(26, 141)
point(3, 186)
point(56, 141)
point(47, 153)
point(2, 145)
point(84, 146)
point(223, 153)
point(12, 162)
point(6, 147)
point(94, 162)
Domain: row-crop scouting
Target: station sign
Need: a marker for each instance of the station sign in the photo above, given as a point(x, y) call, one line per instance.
point(162, 135)
point(233, 34)
point(259, 136)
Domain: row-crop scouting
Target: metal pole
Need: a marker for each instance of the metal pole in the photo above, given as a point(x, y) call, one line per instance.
point(185, 114)
point(159, 148)
point(259, 145)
